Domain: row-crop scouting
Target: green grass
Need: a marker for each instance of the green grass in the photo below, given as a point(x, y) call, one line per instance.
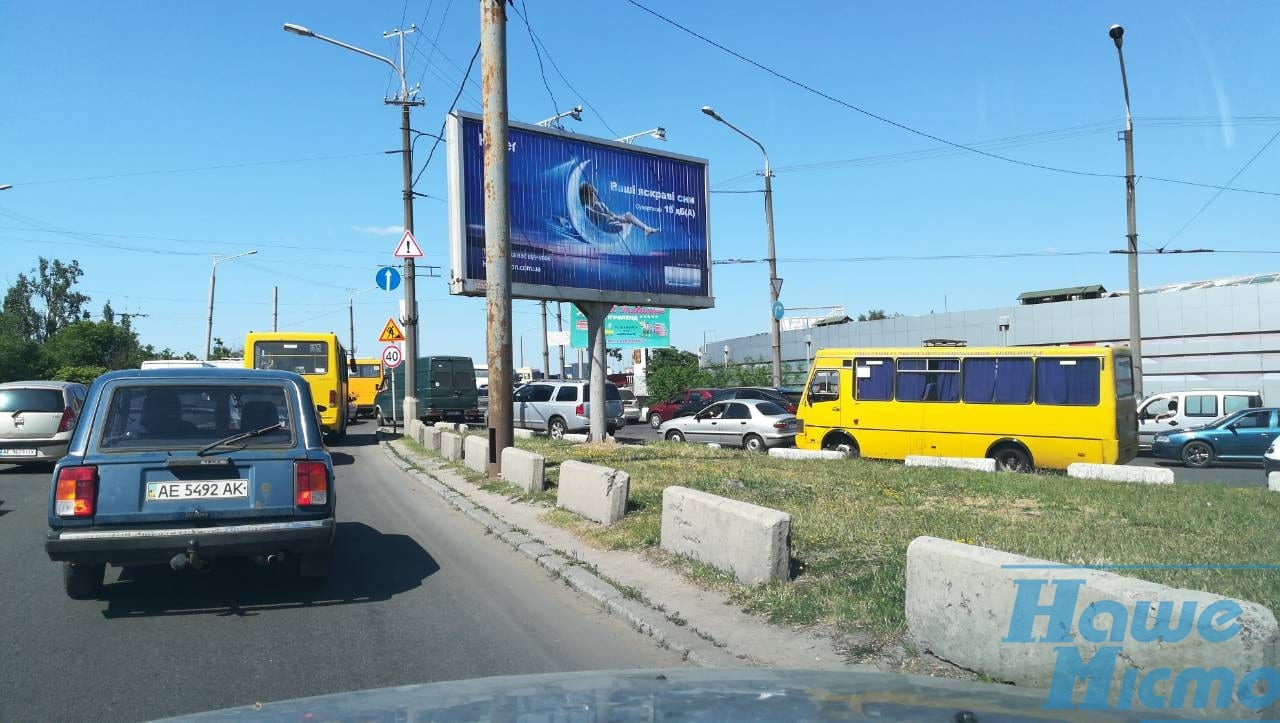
point(852, 522)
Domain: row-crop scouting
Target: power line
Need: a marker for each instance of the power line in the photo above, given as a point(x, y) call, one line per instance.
point(226, 166)
point(916, 131)
point(260, 244)
point(551, 59)
point(974, 257)
point(439, 135)
point(555, 106)
point(1219, 192)
point(435, 42)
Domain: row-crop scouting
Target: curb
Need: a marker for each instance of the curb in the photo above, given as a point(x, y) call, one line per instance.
point(643, 619)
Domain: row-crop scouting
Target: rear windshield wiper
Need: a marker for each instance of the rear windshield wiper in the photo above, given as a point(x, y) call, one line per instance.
point(237, 437)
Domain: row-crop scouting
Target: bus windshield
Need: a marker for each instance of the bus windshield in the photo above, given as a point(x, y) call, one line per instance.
point(302, 357)
point(368, 371)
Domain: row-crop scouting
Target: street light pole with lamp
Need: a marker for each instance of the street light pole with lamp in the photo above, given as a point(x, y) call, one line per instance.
point(351, 317)
point(405, 99)
point(1135, 318)
point(658, 133)
point(775, 283)
point(213, 282)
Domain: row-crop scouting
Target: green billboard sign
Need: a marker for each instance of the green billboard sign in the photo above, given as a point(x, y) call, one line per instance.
point(626, 327)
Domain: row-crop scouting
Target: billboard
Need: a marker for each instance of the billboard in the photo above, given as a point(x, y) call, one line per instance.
point(591, 219)
point(626, 327)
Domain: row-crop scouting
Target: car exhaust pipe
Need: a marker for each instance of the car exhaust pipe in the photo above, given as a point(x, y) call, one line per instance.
point(180, 561)
point(269, 560)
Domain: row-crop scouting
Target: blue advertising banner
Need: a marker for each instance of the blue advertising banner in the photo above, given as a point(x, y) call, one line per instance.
point(591, 219)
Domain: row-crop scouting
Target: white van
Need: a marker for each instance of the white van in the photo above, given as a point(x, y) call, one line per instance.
point(192, 364)
point(1174, 411)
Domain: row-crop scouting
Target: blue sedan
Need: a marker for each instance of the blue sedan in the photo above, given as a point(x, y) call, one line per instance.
point(1243, 436)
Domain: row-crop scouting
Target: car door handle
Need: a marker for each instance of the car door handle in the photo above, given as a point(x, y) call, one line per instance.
point(1173, 424)
point(835, 409)
point(743, 423)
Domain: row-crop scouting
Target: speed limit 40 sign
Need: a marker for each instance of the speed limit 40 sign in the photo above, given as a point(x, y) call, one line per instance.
point(392, 356)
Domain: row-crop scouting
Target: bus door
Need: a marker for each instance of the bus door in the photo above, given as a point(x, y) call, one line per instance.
point(828, 397)
point(872, 416)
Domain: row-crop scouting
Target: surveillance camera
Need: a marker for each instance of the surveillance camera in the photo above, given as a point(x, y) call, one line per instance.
point(1116, 32)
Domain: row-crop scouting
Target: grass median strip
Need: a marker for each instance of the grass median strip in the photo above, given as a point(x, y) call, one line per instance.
point(852, 522)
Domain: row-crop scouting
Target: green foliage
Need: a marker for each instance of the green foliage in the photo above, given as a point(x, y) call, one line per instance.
point(752, 373)
point(673, 370)
point(96, 344)
point(222, 351)
point(873, 315)
point(79, 374)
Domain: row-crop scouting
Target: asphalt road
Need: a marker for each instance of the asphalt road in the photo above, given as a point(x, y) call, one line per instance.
point(1230, 475)
point(417, 594)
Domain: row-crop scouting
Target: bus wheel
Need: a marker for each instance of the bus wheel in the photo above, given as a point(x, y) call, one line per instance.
point(1011, 458)
point(844, 444)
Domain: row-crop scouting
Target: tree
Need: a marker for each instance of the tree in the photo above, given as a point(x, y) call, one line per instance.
point(52, 284)
point(108, 314)
point(673, 370)
point(222, 351)
point(93, 344)
point(873, 315)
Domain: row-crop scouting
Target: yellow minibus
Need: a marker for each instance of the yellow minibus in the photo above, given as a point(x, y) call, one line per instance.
point(318, 357)
point(366, 381)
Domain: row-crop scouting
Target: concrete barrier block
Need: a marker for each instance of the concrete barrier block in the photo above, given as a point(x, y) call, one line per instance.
point(446, 426)
point(1047, 625)
point(978, 464)
point(431, 438)
point(595, 492)
point(525, 433)
point(475, 453)
point(1121, 473)
point(752, 542)
point(577, 438)
point(451, 446)
point(794, 453)
point(1273, 481)
point(524, 469)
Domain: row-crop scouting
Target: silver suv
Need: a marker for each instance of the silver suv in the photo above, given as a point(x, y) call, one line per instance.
point(560, 407)
point(37, 419)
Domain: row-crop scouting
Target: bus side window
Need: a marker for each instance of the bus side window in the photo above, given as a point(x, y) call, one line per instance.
point(825, 386)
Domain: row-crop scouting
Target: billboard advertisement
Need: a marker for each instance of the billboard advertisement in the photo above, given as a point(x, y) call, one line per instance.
point(591, 219)
point(626, 327)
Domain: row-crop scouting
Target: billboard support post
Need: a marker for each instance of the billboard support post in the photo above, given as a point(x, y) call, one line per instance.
point(497, 227)
point(595, 313)
point(546, 353)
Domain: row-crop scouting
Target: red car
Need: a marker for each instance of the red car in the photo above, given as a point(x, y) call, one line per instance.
point(660, 412)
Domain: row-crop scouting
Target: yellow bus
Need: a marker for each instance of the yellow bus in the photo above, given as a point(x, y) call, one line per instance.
point(1025, 407)
point(318, 357)
point(366, 382)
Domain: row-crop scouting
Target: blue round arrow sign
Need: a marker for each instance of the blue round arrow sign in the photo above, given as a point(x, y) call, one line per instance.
point(387, 278)
point(778, 310)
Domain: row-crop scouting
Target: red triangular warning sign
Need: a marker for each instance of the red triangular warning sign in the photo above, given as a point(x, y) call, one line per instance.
point(408, 247)
point(391, 332)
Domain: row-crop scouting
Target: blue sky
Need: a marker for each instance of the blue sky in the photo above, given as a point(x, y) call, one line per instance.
point(97, 91)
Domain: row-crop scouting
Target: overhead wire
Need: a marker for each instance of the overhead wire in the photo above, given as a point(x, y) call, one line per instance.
point(440, 135)
point(1220, 191)
point(555, 105)
point(551, 59)
point(909, 129)
point(193, 169)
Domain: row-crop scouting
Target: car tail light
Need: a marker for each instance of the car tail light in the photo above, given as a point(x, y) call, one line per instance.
point(780, 425)
point(333, 397)
point(68, 418)
point(799, 426)
point(310, 483)
point(579, 410)
point(76, 490)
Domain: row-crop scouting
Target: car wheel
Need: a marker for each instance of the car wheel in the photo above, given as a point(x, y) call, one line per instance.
point(1197, 454)
point(556, 428)
point(844, 445)
point(655, 420)
point(314, 566)
point(675, 436)
point(83, 581)
point(753, 443)
point(1011, 459)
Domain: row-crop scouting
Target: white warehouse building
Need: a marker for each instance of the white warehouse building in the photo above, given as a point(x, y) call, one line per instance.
point(1219, 334)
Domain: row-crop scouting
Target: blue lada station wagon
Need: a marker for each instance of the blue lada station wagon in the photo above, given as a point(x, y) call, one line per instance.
point(187, 466)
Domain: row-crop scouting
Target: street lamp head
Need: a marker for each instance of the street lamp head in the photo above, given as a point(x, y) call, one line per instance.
point(1117, 34)
point(299, 30)
point(660, 133)
point(711, 112)
point(250, 253)
point(576, 113)
point(5, 186)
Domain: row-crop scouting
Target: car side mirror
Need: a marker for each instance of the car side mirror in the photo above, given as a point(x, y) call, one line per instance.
point(321, 409)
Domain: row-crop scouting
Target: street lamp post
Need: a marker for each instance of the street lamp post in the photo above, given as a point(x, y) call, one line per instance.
point(405, 98)
point(351, 316)
point(775, 283)
point(1135, 318)
point(213, 282)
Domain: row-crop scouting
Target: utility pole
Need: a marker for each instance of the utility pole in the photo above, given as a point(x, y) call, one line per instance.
point(497, 226)
point(546, 352)
point(1135, 315)
point(560, 327)
point(275, 308)
point(213, 284)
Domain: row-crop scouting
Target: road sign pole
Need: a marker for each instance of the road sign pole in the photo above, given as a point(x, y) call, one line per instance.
point(596, 312)
point(497, 227)
point(393, 400)
point(410, 290)
point(546, 353)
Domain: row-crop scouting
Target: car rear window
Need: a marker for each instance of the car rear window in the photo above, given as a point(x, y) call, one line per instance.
point(611, 393)
point(769, 409)
point(155, 416)
point(31, 400)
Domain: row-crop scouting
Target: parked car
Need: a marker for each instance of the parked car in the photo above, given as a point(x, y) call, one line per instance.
point(630, 406)
point(446, 391)
point(691, 399)
point(560, 407)
point(1174, 411)
point(37, 419)
point(1240, 437)
point(768, 393)
point(753, 424)
point(189, 466)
